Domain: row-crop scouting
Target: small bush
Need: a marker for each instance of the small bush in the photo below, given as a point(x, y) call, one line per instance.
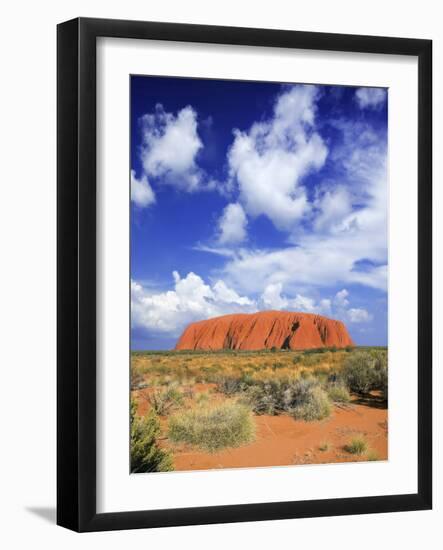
point(381, 371)
point(146, 455)
point(357, 446)
point(314, 404)
point(230, 385)
point(365, 371)
point(302, 398)
point(164, 400)
point(338, 393)
point(321, 374)
point(323, 447)
point(265, 397)
point(358, 372)
point(137, 381)
point(213, 428)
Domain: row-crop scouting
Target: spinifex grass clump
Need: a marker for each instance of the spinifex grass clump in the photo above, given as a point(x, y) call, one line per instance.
point(309, 402)
point(338, 393)
point(213, 428)
point(146, 455)
point(357, 446)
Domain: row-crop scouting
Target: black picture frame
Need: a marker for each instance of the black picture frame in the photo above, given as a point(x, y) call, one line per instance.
point(76, 279)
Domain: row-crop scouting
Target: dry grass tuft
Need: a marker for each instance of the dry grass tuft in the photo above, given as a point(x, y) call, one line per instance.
point(213, 428)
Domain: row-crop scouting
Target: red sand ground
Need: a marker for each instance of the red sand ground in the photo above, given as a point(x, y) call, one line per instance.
point(281, 440)
point(265, 330)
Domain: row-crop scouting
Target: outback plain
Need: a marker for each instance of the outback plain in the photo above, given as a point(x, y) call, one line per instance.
point(197, 410)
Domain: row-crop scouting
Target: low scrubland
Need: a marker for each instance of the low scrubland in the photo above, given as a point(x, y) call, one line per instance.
point(209, 400)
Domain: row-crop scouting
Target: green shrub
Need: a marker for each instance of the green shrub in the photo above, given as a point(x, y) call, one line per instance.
point(321, 374)
point(323, 447)
point(357, 446)
point(338, 393)
point(136, 379)
point(358, 372)
point(146, 455)
point(365, 371)
point(213, 428)
point(162, 401)
point(313, 404)
point(381, 371)
point(265, 397)
point(302, 398)
point(229, 385)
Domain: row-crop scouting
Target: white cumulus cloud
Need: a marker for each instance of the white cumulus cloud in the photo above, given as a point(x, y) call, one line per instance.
point(341, 299)
point(269, 161)
point(170, 144)
point(310, 305)
point(357, 315)
point(232, 225)
point(191, 300)
point(371, 98)
point(349, 314)
point(226, 295)
point(272, 297)
point(337, 307)
point(344, 229)
point(334, 205)
point(141, 192)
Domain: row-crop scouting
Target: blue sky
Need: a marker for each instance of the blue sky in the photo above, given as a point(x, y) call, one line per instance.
point(249, 196)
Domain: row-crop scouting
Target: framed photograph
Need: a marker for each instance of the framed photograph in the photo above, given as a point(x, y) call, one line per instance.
point(244, 274)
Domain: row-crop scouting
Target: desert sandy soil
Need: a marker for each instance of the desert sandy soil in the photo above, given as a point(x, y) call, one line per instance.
point(283, 441)
point(280, 440)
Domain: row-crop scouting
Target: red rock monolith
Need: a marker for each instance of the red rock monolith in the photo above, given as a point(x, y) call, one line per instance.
point(265, 330)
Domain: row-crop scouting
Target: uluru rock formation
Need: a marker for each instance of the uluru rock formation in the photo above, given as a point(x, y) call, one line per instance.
point(265, 330)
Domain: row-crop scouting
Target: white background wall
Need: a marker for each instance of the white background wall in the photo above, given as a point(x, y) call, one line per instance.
point(27, 272)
